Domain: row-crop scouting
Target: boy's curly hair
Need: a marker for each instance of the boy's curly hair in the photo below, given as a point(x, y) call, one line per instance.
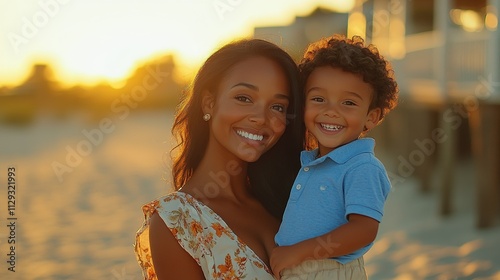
point(351, 55)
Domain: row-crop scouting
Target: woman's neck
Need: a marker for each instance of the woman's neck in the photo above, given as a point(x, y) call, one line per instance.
point(219, 176)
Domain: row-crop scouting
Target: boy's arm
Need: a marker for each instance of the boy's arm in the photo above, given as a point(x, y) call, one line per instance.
point(358, 232)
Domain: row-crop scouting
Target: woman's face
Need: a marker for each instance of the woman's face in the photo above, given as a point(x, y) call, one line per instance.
point(249, 109)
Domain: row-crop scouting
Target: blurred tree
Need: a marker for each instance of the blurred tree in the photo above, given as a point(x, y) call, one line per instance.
point(153, 84)
point(22, 103)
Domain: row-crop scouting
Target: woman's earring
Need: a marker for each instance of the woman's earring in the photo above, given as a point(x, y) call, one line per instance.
point(206, 117)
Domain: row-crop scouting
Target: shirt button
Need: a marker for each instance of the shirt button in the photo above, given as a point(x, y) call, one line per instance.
point(322, 188)
point(306, 169)
point(298, 187)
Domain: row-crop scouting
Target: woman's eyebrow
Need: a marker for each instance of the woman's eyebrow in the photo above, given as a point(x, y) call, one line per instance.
point(256, 88)
point(247, 85)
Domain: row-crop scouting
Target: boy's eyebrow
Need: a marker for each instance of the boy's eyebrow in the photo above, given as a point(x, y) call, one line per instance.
point(350, 92)
point(314, 88)
point(356, 94)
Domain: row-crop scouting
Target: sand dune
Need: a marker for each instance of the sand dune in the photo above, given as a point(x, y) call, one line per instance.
point(84, 226)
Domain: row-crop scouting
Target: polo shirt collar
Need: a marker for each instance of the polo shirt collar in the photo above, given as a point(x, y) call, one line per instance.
point(341, 154)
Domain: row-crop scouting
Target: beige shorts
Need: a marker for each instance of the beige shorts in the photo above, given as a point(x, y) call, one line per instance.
point(326, 269)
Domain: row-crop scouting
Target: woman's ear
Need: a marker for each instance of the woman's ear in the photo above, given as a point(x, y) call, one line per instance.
point(207, 102)
point(373, 118)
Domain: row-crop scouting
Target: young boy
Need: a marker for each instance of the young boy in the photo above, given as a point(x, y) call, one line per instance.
point(337, 200)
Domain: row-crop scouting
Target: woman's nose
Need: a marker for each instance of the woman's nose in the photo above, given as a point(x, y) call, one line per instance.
point(258, 116)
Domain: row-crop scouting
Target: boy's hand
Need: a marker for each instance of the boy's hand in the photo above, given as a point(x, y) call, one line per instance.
point(284, 257)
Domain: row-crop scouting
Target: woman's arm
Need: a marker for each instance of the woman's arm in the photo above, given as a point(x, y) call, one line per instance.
point(170, 260)
point(358, 232)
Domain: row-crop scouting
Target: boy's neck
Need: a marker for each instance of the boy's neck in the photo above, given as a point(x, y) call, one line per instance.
point(322, 152)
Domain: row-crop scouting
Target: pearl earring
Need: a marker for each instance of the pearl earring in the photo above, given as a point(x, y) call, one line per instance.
point(206, 117)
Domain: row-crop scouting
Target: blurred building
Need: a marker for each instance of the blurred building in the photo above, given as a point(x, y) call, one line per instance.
point(432, 42)
point(295, 37)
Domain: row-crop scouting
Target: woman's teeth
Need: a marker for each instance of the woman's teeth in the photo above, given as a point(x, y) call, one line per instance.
point(250, 135)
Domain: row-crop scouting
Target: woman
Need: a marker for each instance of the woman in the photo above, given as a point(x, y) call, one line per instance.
point(240, 132)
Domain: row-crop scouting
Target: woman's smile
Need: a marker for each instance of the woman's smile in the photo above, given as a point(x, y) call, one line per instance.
point(249, 109)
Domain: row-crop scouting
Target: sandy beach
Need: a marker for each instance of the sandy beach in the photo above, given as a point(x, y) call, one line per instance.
point(415, 242)
point(83, 226)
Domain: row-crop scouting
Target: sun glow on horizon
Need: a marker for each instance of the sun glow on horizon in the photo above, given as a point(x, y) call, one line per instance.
point(95, 41)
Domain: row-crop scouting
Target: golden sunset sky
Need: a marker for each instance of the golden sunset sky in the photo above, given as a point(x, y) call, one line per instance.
point(103, 40)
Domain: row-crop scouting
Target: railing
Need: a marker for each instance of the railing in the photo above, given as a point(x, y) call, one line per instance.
point(467, 56)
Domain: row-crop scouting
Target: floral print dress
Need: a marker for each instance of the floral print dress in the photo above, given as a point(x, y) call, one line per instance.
point(204, 235)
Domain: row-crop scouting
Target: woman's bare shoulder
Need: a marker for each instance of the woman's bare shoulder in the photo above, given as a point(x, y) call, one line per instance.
point(170, 260)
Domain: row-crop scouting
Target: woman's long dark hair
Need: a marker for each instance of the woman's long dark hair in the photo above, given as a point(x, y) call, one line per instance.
point(270, 177)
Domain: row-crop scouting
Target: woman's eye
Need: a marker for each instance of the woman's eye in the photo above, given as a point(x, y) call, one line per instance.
point(279, 108)
point(243, 98)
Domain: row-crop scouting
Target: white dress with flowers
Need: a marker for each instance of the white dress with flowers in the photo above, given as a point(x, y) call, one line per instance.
point(204, 235)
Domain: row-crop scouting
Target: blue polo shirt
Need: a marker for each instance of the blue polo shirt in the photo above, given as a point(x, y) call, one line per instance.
point(348, 180)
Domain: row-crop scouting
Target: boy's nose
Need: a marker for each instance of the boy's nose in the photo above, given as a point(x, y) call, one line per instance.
point(331, 111)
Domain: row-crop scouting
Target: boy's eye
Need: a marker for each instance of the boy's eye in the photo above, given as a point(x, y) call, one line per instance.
point(349, 103)
point(317, 99)
point(243, 98)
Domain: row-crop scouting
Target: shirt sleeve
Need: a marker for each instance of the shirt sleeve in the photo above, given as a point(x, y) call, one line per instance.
point(366, 188)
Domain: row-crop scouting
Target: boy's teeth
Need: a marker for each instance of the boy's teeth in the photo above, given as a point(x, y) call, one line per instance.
point(250, 135)
point(331, 127)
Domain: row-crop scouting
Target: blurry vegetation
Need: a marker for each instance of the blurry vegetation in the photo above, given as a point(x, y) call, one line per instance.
point(152, 86)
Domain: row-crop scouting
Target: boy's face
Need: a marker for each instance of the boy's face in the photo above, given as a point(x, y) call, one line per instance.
point(337, 104)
